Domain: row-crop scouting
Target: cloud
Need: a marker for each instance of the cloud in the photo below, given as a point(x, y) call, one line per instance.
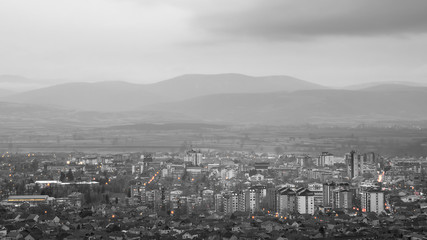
point(287, 20)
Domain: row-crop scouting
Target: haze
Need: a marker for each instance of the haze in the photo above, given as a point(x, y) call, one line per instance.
point(332, 43)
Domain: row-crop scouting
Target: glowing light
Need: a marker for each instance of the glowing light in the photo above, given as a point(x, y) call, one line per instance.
point(253, 217)
point(363, 209)
point(113, 216)
point(380, 177)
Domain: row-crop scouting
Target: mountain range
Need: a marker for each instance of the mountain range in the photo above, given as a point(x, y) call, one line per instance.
point(222, 98)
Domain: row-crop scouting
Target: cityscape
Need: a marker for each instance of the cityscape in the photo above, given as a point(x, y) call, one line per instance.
point(212, 195)
point(213, 119)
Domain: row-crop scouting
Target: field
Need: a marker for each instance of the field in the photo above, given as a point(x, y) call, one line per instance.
point(180, 136)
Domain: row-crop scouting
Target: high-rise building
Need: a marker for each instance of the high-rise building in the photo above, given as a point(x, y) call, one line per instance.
point(253, 199)
point(271, 199)
point(325, 159)
point(317, 190)
point(231, 203)
point(290, 200)
point(372, 200)
point(138, 169)
point(354, 164)
point(328, 191)
point(195, 157)
point(137, 192)
point(219, 203)
point(303, 160)
point(342, 198)
point(304, 201)
point(285, 200)
point(242, 201)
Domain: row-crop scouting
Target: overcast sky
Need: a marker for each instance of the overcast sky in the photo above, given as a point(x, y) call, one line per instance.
point(330, 42)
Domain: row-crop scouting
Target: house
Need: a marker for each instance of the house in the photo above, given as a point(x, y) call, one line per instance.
point(29, 237)
point(257, 177)
point(32, 217)
point(3, 232)
point(14, 235)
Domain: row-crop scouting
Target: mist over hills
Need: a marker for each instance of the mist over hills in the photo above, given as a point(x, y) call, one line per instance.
point(221, 98)
point(310, 106)
point(103, 96)
point(394, 84)
point(122, 96)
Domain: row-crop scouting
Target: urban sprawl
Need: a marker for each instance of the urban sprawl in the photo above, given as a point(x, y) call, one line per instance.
point(205, 194)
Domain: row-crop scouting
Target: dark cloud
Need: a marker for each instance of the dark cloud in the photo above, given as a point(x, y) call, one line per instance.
point(278, 19)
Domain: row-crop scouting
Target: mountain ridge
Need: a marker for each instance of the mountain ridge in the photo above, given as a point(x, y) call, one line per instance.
point(124, 96)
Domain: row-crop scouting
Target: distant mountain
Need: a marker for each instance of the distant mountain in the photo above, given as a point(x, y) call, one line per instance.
point(395, 88)
point(312, 106)
point(103, 96)
point(122, 96)
point(195, 85)
point(397, 84)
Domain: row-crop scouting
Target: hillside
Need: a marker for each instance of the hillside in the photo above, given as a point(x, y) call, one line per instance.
point(195, 85)
point(123, 96)
point(314, 106)
point(104, 96)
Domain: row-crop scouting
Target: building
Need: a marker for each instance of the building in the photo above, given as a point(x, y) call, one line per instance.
point(138, 169)
point(194, 157)
point(303, 160)
point(342, 198)
point(285, 200)
point(354, 164)
point(242, 201)
point(219, 203)
point(325, 159)
point(33, 200)
point(253, 199)
point(317, 190)
point(137, 192)
point(227, 173)
point(194, 171)
point(372, 200)
point(231, 203)
point(328, 191)
point(261, 166)
point(304, 201)
point(208, 199)
point(256, 177)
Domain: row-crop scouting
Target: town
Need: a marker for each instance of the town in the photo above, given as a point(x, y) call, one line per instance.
point(205, 194)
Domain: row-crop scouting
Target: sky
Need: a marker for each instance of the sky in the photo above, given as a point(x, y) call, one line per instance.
point(330, 42)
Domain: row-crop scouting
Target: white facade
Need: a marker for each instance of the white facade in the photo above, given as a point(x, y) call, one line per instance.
point(228, 173)
point(305, 204)
point(373, 201)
